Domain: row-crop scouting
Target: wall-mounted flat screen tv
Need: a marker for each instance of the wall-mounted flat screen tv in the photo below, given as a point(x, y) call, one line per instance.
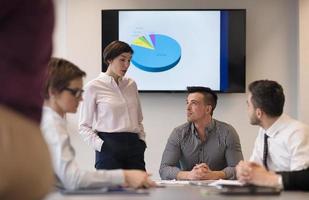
point(174, 49)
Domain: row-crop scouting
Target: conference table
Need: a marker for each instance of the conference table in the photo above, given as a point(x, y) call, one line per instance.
point(185, 192)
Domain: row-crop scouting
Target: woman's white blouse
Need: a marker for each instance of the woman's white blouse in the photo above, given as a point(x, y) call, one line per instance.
point(108, 107)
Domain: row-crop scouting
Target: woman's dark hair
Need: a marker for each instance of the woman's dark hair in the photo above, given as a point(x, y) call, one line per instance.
point(114, 49)
point(60, 73)
point(210, 97)
point(268, 96)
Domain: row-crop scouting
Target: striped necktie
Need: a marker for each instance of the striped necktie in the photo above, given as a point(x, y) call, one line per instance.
point(265, 152)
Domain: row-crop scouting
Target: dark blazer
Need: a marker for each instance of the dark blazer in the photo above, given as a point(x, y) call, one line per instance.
point(295, 180)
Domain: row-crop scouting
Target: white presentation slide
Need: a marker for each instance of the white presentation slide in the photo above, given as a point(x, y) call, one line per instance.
point(172, 49)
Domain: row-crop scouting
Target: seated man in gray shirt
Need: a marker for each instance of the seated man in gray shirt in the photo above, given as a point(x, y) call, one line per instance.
point(203, 148)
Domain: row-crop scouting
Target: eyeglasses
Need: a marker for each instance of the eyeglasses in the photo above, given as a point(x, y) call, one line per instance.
point(77, 93)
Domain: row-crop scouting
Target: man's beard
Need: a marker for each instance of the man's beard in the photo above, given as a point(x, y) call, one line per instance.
point(189, 119)
point(254, 120)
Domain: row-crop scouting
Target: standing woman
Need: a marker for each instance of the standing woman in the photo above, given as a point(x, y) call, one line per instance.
point(111, 115)
point(62, 93)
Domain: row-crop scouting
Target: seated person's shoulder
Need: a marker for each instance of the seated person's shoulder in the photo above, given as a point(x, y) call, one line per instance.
point(292, 127)
point(181, 130)
point(300, 126)
point(225, 127)
point(297, 129)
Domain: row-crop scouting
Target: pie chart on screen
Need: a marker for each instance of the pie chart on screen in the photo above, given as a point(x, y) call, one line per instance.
point(155, 53)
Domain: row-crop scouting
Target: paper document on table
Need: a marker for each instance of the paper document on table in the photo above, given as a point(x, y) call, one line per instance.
point(222, 182)
point(201, 182)
point(172, 182)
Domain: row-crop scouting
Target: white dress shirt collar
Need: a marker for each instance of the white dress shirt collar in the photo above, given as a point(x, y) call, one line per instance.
point(278, 125)
point(109, 79)
point(53, 113)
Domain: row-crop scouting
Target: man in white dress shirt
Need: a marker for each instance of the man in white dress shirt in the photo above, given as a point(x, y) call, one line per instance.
point(282, 143)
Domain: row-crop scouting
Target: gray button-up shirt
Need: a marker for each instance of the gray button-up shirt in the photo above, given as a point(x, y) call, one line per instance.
point(220, 151)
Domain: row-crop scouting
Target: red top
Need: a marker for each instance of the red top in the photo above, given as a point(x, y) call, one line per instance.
point(26, 28)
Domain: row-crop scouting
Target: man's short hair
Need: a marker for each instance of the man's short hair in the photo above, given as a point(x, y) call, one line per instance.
point(210, 97)
point(268, 96)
